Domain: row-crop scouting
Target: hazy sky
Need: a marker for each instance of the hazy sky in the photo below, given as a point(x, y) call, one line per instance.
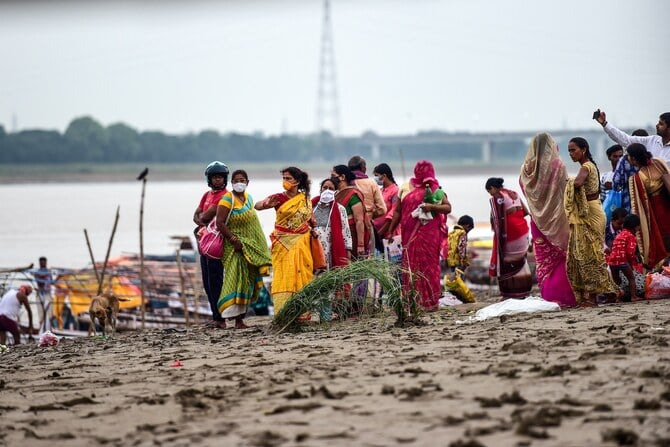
point(402, 66)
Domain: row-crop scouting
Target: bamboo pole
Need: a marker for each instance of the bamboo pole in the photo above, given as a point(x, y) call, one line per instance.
point(143, 178)
point(109, 249)
point(183, 287)
point(90, 253)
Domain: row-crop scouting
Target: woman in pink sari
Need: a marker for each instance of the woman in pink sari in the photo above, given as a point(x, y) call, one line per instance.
point(421, 215)
point(543, 179)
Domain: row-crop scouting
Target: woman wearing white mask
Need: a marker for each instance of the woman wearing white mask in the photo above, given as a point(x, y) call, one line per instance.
point(246, 257)
point(331, 225)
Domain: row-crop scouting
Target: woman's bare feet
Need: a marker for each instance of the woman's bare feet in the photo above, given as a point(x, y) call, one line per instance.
point(239, 324)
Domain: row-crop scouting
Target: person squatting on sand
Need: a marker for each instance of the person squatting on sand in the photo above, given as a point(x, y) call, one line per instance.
point(216, 174)
point(510, 240)
point(542, 179)
point(421, 215)
point(10, 309)
point(291, 254)
point(586, 265)
point(246, 257)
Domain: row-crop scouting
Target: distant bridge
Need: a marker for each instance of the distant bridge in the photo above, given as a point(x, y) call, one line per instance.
point(485, 148)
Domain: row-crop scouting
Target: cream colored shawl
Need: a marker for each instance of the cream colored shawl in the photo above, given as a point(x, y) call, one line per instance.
point(543, 179)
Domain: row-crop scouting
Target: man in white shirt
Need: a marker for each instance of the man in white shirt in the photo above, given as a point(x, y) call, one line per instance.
point(10, 308)
point(658, 145)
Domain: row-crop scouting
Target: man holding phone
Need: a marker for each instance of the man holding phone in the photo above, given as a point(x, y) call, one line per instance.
point(658, 145)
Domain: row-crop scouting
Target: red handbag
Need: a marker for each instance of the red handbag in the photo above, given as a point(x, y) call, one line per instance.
point(211, 242)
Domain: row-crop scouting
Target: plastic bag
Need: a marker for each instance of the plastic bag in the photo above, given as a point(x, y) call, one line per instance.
point(393, 249)
point(48, 339)
point(511, 306)
point(457, 287)
point(657, 285)
point(612, 201)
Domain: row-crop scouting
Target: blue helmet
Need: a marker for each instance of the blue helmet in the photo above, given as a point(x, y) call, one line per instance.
point(216, 167)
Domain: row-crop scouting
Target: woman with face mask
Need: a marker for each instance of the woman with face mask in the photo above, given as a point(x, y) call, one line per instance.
point(331, 225)
point(384, 178)
point(292, 263)
point(246, 257)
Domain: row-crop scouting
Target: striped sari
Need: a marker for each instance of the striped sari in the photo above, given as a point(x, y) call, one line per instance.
point(291, 253)
point(244, 269)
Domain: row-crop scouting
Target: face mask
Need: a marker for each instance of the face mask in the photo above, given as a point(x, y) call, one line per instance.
point(379, 181)
point(327, 196)
point(239, 187)
point(287, 185)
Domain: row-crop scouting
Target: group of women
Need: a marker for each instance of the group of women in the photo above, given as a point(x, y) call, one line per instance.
point(567, 228)
point(568, 222)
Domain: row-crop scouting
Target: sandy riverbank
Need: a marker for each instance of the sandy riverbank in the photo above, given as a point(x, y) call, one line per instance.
point(579, 377)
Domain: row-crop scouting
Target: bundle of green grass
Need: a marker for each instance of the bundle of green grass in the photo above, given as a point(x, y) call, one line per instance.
point(342, 293)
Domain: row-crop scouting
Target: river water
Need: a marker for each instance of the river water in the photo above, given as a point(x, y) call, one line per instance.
point(49, 219)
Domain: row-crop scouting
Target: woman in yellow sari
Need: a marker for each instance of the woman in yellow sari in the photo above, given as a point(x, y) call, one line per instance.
point(291, 253)
point(586, 267)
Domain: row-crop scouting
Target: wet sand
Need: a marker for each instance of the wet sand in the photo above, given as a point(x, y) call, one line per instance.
point(579, 377)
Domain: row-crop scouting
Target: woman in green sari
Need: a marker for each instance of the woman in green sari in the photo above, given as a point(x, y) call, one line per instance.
point(246, 258)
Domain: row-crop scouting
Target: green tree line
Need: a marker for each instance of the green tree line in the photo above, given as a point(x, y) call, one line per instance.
point(87, 141)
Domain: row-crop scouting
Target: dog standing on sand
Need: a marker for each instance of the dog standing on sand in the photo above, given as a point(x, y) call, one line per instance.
point(105, 308)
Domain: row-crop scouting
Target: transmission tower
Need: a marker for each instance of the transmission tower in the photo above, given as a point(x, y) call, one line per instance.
point(327, 107)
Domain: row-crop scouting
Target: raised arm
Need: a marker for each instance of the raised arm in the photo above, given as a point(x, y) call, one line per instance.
point(619, 136)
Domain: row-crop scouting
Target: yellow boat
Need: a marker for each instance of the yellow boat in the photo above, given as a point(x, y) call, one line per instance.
point(78, 288)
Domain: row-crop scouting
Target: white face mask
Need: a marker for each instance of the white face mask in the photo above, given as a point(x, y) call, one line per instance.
point(327, 196)
point(239, 187)
point(379, 181)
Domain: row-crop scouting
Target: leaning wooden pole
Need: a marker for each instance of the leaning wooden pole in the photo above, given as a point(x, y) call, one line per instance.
point(143, 178)
point(101, 280)
point(90, 253)
point(182, 282)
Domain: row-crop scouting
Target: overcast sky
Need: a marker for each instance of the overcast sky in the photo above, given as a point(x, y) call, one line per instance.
point(401, 66)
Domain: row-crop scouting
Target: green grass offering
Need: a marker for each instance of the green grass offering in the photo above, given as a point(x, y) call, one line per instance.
point(338, 292)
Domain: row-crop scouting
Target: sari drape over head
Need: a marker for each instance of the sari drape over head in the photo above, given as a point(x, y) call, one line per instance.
point(421, 242)
point(586, 267)
point(542, 179)
point(291, 253)
point(651, 202)
point(244, 270)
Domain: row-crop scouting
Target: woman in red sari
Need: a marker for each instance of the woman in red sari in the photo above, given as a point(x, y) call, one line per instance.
point(422, 218)
point(510, 241)
point(651, 202)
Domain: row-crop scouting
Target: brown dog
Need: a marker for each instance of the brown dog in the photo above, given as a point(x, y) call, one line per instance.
point(105, 308)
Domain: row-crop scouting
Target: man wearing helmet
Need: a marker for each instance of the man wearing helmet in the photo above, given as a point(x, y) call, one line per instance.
point(10, 308)
point(212, 269)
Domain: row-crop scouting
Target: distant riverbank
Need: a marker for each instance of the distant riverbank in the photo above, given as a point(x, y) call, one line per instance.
point(44, 173)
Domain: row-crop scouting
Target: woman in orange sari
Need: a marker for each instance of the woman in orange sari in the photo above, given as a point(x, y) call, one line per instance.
point(651, 202)
point(291, 254)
